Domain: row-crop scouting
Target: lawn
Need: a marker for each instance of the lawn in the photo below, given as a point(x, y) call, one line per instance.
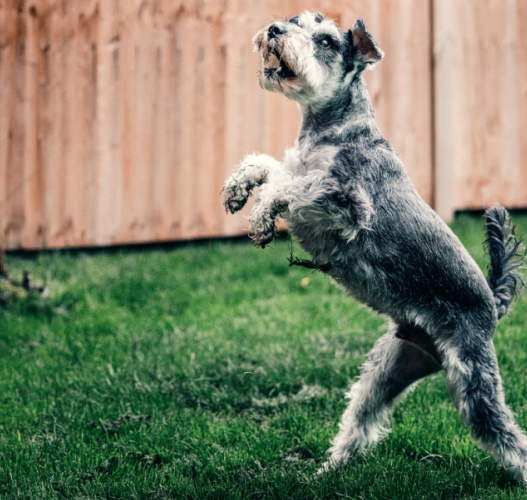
point(213, 370)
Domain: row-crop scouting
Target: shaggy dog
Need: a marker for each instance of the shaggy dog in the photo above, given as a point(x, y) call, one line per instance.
point(347, 199)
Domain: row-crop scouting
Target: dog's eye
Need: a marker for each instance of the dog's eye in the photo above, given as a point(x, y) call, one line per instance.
point(325, 41)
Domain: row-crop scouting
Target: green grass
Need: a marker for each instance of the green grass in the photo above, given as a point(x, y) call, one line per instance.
point(215, 371)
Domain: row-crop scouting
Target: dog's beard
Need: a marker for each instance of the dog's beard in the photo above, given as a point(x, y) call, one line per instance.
point(280, 70)
point(275, 63)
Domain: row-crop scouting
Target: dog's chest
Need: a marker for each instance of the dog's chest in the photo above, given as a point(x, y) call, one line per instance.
point(308, 158)
point(311, 165)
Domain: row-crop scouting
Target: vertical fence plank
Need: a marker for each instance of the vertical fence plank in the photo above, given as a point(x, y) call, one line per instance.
point(166, 181)
point(16, 143)
point(33, 188)
point(444, 104)
point(56, 137)
point(9, 36)
point(81, 99)
point(187, 35)
point(111, 157)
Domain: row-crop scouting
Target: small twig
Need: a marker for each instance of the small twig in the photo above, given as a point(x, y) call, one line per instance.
point(25, 284)
point(3, 270)
point(309, 264)
point(26, 281)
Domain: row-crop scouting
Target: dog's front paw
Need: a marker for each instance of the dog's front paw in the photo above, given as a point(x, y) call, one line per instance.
point(235, 194)
point(262, 239)
point(263, 231)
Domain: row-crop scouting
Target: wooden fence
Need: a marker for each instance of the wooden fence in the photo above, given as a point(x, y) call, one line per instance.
point(119, 119)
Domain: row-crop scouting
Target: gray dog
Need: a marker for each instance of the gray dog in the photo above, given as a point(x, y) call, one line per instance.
point(347, 199)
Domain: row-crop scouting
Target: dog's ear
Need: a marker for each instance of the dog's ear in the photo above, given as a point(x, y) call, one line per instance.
point(362, 47)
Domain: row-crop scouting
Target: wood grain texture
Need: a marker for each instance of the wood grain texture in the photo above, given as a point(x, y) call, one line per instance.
point(120, 119)
point(480, 49)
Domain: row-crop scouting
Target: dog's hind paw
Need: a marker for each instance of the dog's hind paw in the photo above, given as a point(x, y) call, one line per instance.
point(519, 474)
point(329, 465)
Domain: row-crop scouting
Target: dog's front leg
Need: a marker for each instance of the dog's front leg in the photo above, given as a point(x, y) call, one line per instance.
point(272, 201)
point(254, 170)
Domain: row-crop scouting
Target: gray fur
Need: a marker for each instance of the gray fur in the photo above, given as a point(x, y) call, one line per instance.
point(348, 200)
point(506, 254)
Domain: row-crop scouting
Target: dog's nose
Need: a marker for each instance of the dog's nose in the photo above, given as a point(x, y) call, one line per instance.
point(275, 31)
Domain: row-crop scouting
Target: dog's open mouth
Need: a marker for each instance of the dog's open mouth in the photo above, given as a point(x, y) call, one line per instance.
point(275, 66)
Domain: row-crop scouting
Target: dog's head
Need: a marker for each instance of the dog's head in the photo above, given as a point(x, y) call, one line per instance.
point(308, 58)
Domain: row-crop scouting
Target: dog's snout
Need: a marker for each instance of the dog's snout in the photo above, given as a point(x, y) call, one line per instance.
point(275, 31)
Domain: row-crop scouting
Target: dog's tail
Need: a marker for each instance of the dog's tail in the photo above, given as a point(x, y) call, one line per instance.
point(506, 253)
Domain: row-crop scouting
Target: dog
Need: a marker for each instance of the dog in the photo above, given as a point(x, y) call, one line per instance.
point(348, 200)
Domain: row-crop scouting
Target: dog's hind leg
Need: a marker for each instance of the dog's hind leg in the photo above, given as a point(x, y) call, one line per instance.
point(393, 365)
point(474, 379)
